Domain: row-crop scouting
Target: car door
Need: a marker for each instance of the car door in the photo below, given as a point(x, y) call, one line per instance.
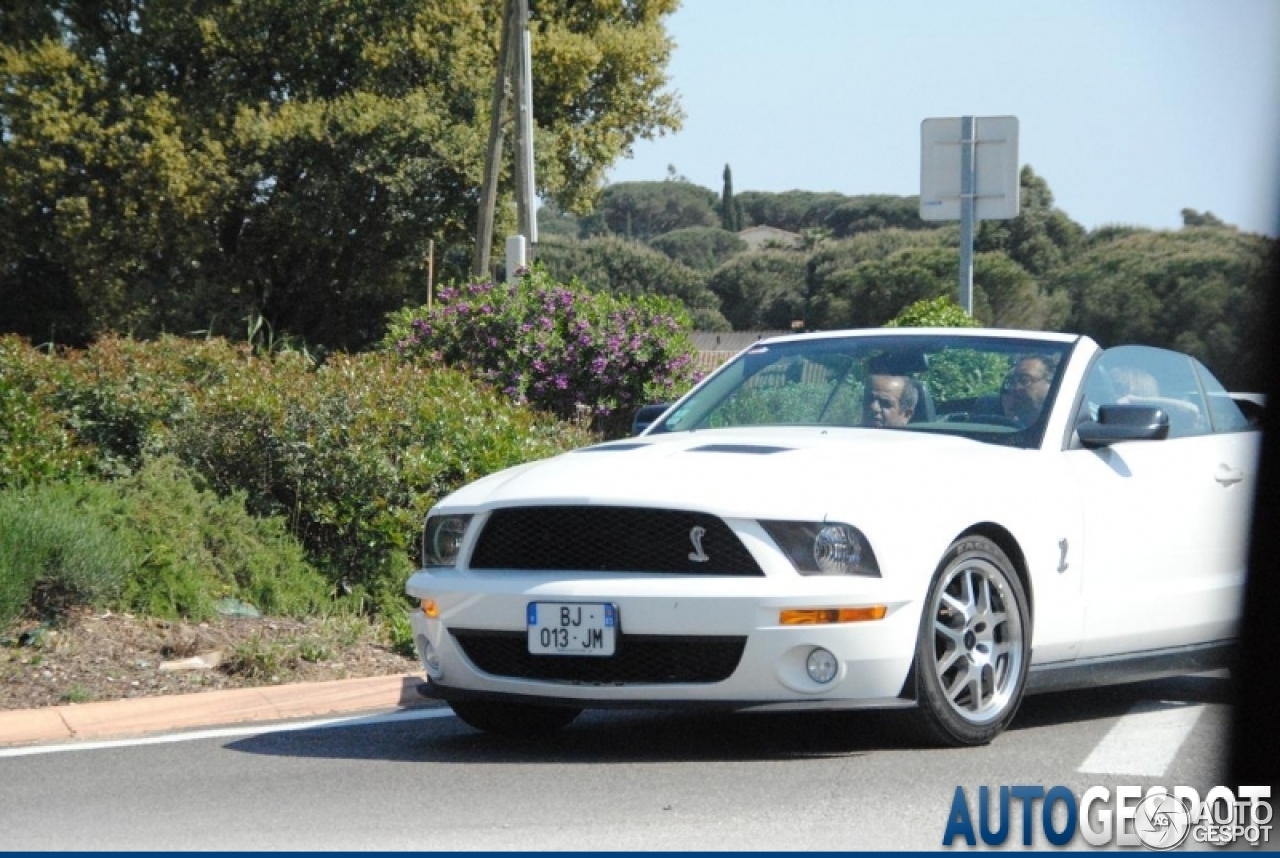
point(1165, 522)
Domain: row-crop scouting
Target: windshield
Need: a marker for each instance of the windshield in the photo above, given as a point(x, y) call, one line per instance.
point(991, 389)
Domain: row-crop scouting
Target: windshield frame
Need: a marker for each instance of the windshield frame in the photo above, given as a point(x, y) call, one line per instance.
point(931, 358)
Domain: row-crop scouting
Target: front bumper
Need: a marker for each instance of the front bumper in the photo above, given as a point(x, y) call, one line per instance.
point(682, 642)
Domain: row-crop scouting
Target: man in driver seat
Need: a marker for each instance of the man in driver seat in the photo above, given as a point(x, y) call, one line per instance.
point(889, 400)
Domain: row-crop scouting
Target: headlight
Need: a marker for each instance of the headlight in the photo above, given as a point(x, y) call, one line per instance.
point(442, 539)
point(824, 548)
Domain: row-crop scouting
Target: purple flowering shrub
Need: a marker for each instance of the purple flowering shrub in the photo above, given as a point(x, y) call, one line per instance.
point(562, 348)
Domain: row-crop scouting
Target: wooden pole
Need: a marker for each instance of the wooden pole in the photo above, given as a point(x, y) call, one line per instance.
point(431, 268)
point(493, 155)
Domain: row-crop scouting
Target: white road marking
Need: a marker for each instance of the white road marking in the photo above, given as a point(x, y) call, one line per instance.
point(1145, 741)
point(230, 732)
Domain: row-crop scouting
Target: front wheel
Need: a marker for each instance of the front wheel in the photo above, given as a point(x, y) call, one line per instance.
point(974, 645)
point(513, 719)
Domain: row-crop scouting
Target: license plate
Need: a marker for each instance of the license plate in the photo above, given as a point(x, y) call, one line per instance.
point(572, 628)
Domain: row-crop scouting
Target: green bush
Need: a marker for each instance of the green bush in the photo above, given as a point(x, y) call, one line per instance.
point(940, 312)
point(353, 453)
point(958, 373)
point(119, 391)
point(561, 348)
point(152, 543)
point(36, 445)
point(346, 457)
point(196, 548)
point(56, 549)
point(95, 410)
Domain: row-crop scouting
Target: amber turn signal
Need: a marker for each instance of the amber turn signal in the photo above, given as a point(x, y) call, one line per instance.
point(826, 616)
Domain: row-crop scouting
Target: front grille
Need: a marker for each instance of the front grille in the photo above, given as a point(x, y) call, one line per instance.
point(610, 539)
point(638, 660)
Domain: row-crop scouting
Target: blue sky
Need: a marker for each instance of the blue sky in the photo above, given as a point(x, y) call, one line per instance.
point(1131, 109)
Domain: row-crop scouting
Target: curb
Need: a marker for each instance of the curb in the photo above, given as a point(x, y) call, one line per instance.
point(141, 715)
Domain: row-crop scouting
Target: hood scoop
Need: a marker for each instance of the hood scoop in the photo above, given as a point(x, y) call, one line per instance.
point(754, 449)
point(610, 448)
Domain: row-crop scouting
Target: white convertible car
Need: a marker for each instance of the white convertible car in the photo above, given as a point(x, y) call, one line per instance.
point(934, 519)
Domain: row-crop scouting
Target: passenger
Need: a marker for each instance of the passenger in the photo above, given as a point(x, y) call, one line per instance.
point(1135, 386)
point(1131, 382)
point(890, 400)
point(1025, 387)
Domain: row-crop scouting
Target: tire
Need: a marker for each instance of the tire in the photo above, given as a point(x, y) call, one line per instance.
point(974, 646)
point(520, 720)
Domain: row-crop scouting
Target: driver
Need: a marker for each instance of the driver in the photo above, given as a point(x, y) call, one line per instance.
point(889, 400)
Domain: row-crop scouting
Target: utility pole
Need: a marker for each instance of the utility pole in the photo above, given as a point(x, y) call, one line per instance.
point(968, 208)
point(431, 269)
point(526, 195)
point(514, 77)
point(493, 154)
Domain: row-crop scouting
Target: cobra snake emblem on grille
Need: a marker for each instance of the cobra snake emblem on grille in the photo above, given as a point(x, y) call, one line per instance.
point(697, 555)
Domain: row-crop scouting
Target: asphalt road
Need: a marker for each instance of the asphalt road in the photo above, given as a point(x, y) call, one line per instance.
point(422, 780)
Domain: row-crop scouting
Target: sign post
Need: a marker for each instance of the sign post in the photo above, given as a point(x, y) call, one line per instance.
point(969, 172)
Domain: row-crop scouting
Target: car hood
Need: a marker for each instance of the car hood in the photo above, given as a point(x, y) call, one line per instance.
point(757, 472)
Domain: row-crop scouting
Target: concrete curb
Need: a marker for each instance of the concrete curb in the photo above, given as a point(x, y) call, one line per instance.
point(141, 715)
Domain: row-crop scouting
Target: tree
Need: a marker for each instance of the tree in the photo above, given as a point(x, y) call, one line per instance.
point(641, 210)
point(703, 248)
point(187, 165)
point(1201, 290)
point(875, 291)
point(730, 213)
point(1191, 217)
point(872, 292)
point(1041, 238)
point(627, 268)
point(762, 290)
point(789, 210)
point(873, 213)
point(1006, 295)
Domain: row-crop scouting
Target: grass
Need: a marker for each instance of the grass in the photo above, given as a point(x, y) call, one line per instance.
point(257, 659)
point(77, 694)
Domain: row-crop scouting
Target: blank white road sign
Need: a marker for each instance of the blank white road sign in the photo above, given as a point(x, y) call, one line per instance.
point(996, 165)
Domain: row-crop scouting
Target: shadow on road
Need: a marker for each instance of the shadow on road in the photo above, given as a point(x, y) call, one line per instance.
point(608, 736)
point(623, 736)
point(1113, 701)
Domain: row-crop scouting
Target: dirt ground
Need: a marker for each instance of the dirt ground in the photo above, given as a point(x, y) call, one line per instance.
point(90, 656)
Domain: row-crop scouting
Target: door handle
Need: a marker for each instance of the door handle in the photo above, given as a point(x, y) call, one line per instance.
point(1228, 476)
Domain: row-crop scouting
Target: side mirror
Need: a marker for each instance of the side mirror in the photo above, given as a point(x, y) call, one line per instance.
point(1124, 423)
point(646, 415)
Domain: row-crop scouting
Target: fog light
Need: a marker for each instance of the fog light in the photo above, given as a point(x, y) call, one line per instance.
point(430, 658)
point(822, 666)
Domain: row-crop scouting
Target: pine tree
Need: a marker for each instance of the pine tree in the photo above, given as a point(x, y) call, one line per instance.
point(730, 217)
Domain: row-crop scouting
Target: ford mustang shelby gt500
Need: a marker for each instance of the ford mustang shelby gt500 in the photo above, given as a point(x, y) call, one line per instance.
point(933, 519)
